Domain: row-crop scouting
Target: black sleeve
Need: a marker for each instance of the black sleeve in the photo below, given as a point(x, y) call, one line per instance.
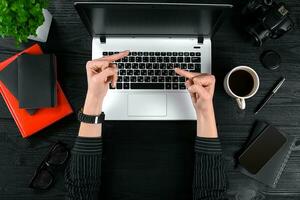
point(83, 174)
point(209, 172)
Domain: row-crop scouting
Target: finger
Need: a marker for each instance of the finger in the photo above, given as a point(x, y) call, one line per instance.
point(186, 74)
point(98, 65)
point(107, 74)
point(115, 57)
point(188, 84)
point(196, 89)
point(115, 76)
point(204, 79)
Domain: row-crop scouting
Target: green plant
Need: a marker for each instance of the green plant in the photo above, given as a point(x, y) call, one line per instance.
point(21, 18)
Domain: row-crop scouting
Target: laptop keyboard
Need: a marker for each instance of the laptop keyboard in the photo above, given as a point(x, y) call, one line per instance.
point(155, 70)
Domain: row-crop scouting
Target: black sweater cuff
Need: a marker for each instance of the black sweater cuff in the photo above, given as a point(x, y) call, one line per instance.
point(88, 145)
point(208, 145)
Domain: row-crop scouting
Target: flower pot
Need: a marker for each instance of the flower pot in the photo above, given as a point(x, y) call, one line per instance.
point(43, 30)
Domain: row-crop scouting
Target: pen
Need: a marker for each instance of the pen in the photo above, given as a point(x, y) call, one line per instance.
point(266, 100)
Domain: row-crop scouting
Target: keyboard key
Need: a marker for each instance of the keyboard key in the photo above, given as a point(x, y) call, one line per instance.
point(120, 79)
point(133, 79)
point(140, 53)
point(170, 66)
point(131, 59)
point(192, 54)
point(137, 72)
point(127, 65)
point(172, 73)
point(198, 54)
point(164, 72)
point(175, 86)
point(142, 66)
point(147, 79)
point(122, 72)
point(157, 72)
point(183, 66)
point(155, 66)
point(186, 53)
point(163, 66)
point(161, 79)
point(119, 85)
point(163, 53)
point(180, 59)
point(182, 86)
point(146, 53)
point(149, 66)
point(147, 86)
point(126, 78)
point(175, 79)
point(135, 66)
point(150, 72)
point(198, 67)
point(140, 79)
point(173, 59)
point(125, 85)
point(151, 54)
point(105, 53)
point(125, 59)
point(121, 65)
point(182, 79)
point(187, 59)
point(168, 86)
point(130, 72)
point(190, 66)
point(154, 79)
point(175, 53)
point(138, 59)
point(152, 59)
point(134, 53)
point(110, 53)
point(157, 53)
point(168, 79)
point(159, 59)
point(180, 54)
point(166, 59)
point(169, 53)
point(143, 72)
point(145, 59)
point(196, 59)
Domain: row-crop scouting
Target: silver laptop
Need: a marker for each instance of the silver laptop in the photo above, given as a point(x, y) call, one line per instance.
point(160, 37)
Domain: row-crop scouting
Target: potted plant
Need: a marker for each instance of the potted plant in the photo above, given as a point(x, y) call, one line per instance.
point(25, 19)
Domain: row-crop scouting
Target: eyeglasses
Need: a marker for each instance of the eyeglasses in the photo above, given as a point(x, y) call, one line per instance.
point(44, 175)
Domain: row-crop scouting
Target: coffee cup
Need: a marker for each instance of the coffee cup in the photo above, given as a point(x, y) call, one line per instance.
point(241, 83)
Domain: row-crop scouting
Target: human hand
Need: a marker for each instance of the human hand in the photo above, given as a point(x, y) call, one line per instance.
point(100, 73)
point(201, 88)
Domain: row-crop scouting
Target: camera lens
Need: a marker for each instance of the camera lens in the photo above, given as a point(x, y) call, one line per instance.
point(259, 33)
point(268, 2)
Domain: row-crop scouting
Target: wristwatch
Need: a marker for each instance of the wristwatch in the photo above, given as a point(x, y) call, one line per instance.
point(90, 119)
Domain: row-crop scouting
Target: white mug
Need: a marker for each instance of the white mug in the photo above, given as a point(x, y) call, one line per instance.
point(241, 99)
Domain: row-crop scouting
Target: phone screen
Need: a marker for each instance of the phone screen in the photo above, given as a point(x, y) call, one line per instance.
point(261, 150)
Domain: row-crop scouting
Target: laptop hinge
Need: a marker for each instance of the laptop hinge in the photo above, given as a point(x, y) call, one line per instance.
point(200, 39)
point(103, 39)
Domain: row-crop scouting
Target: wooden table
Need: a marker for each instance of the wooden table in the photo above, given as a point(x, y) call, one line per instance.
point(160, 152)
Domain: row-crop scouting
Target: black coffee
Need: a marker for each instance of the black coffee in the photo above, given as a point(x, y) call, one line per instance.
point(241, 83)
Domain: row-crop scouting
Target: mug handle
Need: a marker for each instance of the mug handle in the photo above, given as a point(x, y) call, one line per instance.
point(241, 103)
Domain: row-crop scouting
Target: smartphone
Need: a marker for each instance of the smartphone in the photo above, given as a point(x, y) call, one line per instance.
point(261, 150)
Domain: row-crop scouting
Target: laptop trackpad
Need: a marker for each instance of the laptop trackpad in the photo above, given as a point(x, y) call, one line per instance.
point(147, 105)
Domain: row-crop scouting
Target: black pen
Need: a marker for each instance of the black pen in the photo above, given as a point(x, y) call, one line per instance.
point(265, 101)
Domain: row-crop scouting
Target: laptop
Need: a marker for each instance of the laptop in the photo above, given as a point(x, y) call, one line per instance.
point(160, 37)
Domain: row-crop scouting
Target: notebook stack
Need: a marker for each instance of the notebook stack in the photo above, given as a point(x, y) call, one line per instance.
point(29, 87)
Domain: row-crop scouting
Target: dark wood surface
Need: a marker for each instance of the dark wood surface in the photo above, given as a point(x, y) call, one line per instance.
point(160, 152)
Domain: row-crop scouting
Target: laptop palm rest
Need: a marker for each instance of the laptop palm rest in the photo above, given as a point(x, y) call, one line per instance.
point(147, 105)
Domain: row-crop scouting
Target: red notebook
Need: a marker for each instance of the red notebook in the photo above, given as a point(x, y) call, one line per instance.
point(30, 124)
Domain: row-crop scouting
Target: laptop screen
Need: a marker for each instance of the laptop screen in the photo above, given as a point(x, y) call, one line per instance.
point(117, 19)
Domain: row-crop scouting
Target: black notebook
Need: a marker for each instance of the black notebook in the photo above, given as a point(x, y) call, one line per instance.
point(9, 77)
point(270, 173)
point(37, 81)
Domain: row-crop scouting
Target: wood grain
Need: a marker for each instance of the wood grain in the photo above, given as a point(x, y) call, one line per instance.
point(161, 152)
